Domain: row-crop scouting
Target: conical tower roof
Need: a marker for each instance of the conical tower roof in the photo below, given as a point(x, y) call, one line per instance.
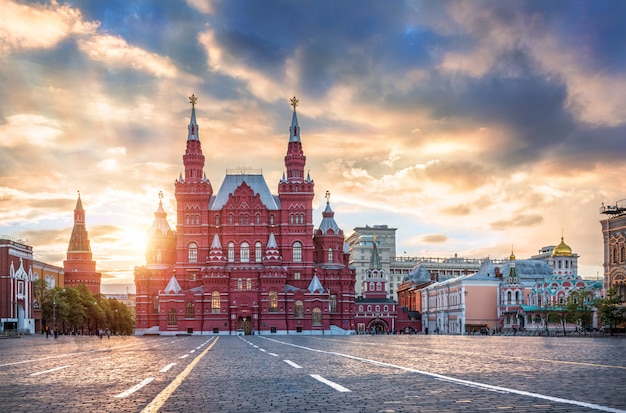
point(79, 240)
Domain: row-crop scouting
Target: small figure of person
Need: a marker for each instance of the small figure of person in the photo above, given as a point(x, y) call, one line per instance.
point(100, 333)
point(47, 331)
point(108, 332)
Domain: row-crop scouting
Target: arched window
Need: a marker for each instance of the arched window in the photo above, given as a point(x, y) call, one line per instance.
point(155, 304)
point(330, 255)
point(299, 309)
point(272, 219)
point(623, 254)
point(516, 297)
point(508, 297)
point(317, 316)
point(192, 252)
point(171, 317)
point(332, 304)
point(217, 219)
point(360, 309)
point(379, 287)
point(257, 218)
point(189, 310)
point(231, 252)
point(258, 254)
point(249, 284)
point(239, 284)
point(273, 301)
point(230, 218)
point(244, 252)
point(297, 252)
point(215, 302)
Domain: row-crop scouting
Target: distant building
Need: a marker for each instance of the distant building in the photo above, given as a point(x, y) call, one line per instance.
point(410, 294)
point(243, 260)
point(53, 274)
point(462, 305)
point(614, 237)
point(16, 287)
point(79, 267)
point(375, 313)
point(360, 246)
point(398, 267)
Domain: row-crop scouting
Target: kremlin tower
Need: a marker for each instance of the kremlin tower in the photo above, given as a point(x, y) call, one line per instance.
point(79, 267)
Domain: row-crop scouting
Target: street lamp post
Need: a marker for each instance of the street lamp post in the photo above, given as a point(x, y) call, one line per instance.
point(54, 313)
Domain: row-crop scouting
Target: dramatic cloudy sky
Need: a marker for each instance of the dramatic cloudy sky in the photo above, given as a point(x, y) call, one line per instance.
point(471, 126)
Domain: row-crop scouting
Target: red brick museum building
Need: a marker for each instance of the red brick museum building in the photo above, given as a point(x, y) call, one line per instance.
point(243, 260)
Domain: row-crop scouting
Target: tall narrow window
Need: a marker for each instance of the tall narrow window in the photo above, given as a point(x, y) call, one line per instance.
point(231, 252)
point(193, 252)
point(215, 302)
point(258, 253)
point(249, 284)
point(239, 284)
point(297, 252)
point(299, 309)
point(333, 303)
point(244, 252)
point(189, 310)
point(273, 301)
point(171, 317)
point(330, 255)
point(317, 316)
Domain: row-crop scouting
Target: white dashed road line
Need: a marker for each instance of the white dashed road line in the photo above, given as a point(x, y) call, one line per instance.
point(134, 388)
point(49, 371)
point(292, 364)
point(166, 368)
point(332, 384)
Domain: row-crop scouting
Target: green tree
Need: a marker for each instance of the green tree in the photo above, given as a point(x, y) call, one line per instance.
point(579, 308)
point(610, 311)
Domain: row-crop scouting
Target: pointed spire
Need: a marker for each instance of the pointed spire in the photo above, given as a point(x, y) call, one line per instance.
point(215, 252)
point(79, 240)
point(160, 224)
point(328, 220)
point(216, 244)
point(79, 204)
point(271, 251)
point(173, 287)
point(375, 263)
point(315, 286)
point(512, 270)
point(294, 129)
point(193, 134)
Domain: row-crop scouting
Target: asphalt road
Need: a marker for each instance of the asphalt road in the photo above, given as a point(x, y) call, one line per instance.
point(296, 373)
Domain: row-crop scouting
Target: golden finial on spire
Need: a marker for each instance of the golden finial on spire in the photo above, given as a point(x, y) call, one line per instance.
point(294, 102)
point(160, 195)
point(327, 196)
point(193, 99)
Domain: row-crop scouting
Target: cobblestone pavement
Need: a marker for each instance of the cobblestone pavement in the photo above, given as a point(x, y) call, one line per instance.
point(297, 373)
